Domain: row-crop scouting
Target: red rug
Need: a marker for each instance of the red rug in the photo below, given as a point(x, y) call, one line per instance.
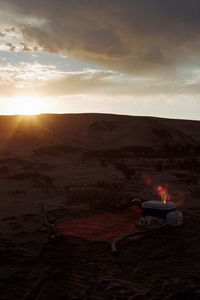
point(104, 227)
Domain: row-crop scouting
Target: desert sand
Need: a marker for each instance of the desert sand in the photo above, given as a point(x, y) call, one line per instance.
point(80, 165)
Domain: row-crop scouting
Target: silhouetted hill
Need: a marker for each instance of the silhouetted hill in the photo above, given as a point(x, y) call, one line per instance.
point(96, 131)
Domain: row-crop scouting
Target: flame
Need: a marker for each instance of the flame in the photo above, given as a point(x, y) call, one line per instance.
point(178, 197)
point(163, 193)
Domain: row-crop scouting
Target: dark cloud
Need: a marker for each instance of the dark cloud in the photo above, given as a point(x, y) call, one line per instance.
point(25, 48)
point(136, 36)
point(11, 47)
point(12, 29)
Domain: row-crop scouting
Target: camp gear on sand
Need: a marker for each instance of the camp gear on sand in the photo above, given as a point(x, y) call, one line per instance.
point(156, 215)
point(118, 226)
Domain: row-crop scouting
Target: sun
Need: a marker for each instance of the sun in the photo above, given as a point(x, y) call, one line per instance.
point(27, 105)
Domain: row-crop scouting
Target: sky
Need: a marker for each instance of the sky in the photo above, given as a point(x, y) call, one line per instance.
point(134, 57)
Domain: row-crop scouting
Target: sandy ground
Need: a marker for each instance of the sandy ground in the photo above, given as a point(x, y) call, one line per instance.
point(164, 265)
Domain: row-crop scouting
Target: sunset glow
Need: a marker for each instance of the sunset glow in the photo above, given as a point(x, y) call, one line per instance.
point(27, 105)
point(99, 149)
point(121, 57)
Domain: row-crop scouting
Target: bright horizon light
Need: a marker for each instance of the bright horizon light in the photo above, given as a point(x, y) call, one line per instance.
point(27, 105)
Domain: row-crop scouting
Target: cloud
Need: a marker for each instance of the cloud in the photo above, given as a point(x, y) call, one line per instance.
point(28, 78)
point(30, 75)
point(11, 47)
point(150, 37)
point(12, 29)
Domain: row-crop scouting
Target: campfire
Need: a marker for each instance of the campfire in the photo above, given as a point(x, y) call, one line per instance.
point(164, 211)
point(163, 193)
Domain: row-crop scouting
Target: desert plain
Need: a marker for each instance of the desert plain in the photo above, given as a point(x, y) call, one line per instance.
point(81, 165)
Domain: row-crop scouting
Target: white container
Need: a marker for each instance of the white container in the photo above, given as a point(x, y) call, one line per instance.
point(175, 218)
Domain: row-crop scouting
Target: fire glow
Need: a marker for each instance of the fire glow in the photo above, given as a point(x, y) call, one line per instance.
point(163, 193)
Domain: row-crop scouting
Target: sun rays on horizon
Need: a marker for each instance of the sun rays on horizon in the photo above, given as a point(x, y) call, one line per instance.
point(27, 105)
